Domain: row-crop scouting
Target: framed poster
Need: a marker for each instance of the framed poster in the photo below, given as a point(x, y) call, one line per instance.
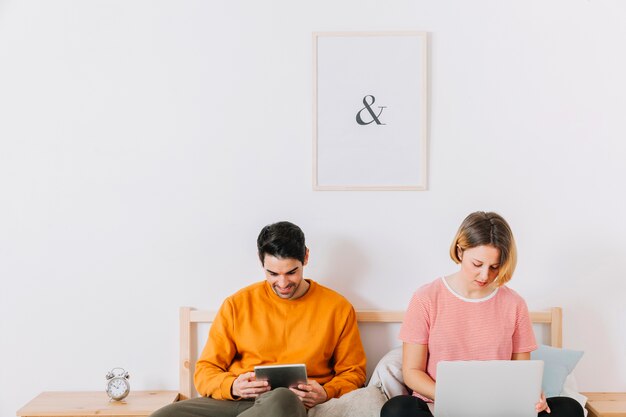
point(370, 109)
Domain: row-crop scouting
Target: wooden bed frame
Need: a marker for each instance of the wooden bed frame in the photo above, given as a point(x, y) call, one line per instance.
point(190, 318)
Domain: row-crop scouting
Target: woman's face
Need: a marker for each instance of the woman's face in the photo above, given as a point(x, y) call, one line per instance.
point(480, 265)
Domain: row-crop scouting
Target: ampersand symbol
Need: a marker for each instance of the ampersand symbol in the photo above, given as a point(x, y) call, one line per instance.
point(375, 117)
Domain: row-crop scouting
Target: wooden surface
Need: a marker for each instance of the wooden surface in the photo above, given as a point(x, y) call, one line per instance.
point(606, 404)
point(190, 317)
point(96, 403)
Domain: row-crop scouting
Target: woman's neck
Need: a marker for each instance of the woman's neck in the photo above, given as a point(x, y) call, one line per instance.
point(463, 287)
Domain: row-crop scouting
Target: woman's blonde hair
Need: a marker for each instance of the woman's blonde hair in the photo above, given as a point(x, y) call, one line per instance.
point(487, 228)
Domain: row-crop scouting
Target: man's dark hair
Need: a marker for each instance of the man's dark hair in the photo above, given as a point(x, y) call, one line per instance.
point(283, 240)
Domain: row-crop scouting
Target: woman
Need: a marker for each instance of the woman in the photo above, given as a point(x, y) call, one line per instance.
point(469, 315)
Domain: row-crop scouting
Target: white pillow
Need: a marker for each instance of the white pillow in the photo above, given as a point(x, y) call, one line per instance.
point(388, 374)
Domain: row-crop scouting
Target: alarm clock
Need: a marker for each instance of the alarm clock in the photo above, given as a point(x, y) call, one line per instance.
point(118, 386)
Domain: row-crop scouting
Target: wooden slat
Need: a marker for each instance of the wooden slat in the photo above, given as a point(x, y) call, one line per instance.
point(556, 327)
point(376, 316)
point(186, 338)
point(379, 316)
point(201, 316)
point(541, 316)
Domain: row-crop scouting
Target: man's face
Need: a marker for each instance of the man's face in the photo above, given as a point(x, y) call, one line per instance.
point(285, 276)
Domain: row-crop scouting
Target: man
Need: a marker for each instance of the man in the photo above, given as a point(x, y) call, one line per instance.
point(284, 319)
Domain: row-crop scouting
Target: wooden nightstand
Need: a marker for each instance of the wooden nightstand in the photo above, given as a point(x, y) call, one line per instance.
point(91, 403)
point(606, 404)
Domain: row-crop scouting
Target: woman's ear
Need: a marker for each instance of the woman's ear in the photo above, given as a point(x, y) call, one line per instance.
point(459, 252)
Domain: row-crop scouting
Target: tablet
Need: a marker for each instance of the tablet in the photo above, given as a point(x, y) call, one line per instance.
point(282, 375)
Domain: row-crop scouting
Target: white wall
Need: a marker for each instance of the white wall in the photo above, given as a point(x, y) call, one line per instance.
point(143, 144)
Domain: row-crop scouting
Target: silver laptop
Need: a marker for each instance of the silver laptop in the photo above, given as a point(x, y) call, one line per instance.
point(488, 388)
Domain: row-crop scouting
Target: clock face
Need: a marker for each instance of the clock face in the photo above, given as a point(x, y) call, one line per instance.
point(118, 388)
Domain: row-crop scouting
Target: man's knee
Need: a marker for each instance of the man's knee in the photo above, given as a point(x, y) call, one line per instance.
point(282, 396)
point(284, 400)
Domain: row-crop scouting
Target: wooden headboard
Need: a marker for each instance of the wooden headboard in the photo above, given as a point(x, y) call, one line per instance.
point(190, 318)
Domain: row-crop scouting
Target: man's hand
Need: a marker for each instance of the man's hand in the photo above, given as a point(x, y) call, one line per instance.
point(310, 394)
point(246, 386)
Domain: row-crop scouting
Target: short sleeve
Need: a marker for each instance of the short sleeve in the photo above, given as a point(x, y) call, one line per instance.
point(415, 327)
point(523, 337)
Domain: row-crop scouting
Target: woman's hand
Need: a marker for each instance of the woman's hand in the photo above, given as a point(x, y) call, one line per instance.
point(542, 405)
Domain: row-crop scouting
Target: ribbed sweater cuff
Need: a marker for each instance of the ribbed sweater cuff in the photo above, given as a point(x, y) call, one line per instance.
point(330, 391)
point(225, 387)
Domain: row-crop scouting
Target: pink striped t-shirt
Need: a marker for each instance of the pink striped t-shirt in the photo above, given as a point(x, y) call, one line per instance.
point(458, 328)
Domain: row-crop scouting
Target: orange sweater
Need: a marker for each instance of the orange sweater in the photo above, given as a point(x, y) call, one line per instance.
point(256, 327)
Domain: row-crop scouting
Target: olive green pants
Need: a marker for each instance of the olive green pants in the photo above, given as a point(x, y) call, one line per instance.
point(279, 402)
